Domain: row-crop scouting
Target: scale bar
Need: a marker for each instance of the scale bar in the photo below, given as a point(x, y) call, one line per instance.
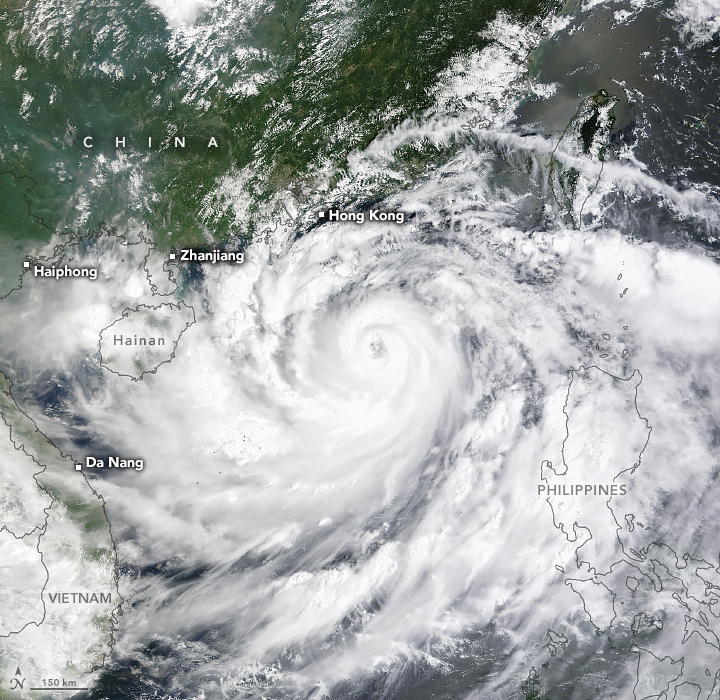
point(49, 688)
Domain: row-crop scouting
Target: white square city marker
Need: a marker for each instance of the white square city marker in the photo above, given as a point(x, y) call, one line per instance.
point(78, 466)
point(321, 215)
point(26, 264)
point(172, 256)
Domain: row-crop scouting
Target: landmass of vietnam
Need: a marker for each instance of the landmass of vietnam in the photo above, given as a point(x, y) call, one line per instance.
point(54, 537)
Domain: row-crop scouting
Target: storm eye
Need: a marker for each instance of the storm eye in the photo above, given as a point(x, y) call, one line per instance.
point(377, 347)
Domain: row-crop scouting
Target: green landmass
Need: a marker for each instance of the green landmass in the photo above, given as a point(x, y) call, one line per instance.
point(531, 686)
point(587, 134)
point(18, 226)
point(105, 70)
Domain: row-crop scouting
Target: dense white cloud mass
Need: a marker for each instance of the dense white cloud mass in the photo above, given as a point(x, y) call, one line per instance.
point(698, 21)
point(342, 461)
point(179, 11)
